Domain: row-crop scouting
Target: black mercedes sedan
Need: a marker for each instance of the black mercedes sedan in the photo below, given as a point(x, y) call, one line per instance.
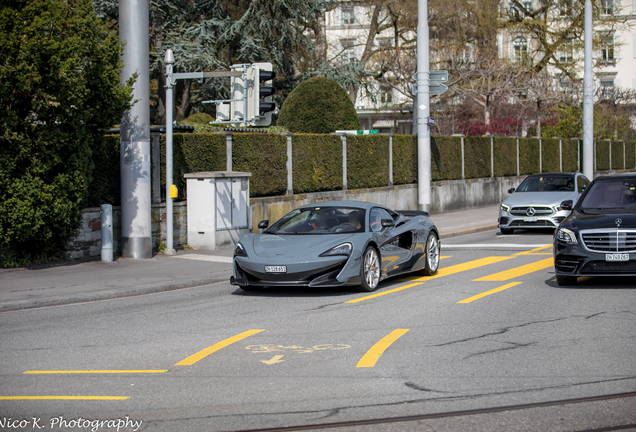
point(598, 238)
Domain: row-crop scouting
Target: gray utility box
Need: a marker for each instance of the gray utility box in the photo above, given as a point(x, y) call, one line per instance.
point(218, 208)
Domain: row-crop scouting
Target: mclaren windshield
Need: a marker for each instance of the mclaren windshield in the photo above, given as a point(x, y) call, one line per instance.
point(320, 220)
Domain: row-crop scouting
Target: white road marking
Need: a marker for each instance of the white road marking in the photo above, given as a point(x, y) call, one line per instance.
point(492, 245)
point(211, 258)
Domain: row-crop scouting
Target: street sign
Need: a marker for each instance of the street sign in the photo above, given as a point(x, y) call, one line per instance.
point(440, 76)
point(431, 121)
point(437, 89)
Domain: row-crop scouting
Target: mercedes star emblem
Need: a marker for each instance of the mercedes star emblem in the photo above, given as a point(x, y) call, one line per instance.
point(618, 221)
point(530, 211)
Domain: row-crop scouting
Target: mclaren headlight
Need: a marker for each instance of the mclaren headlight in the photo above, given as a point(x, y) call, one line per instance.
point(341, 249)
point(505, 208)
point(239, 250)
point(567, 236)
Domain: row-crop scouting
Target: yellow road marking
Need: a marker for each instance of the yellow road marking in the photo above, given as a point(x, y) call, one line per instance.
point(64, 397)
point(211, 349)
point(533, 251)
point(372, 356)
point(446, 271)
point(518, 271)
point(96, 371)
point(492, 291)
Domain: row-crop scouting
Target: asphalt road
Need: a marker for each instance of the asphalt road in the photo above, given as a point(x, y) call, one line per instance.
point(491, 330)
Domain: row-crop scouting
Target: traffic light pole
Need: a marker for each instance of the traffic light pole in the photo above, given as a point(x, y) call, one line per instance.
point(423, 109)
point(588, 98)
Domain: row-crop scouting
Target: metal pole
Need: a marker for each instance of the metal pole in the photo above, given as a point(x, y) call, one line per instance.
point(169, 60)
point(107, 232)
point(423, 109)
point(588, 101)
point(136, 203)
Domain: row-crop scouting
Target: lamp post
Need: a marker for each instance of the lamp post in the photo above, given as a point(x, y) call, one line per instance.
point(588, 98)
point(423, 109)
point(169, 61)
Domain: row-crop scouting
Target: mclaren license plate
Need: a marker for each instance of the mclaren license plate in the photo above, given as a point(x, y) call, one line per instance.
point(275, 269)
point(616, 257)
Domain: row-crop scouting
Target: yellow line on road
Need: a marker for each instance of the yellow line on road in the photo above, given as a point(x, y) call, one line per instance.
point(372, 356)
point(487, 293)
point(518, 271)
point(534, 251)
point(96, 371)
point(64, 397)
point(446, 271)
point(211, 349)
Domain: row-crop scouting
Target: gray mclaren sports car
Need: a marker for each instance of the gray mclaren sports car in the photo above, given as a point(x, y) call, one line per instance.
point(337, 243)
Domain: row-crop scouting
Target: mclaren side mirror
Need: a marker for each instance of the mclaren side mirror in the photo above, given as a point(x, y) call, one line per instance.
point(263, 224)
point(386, 223)
point(567, 205)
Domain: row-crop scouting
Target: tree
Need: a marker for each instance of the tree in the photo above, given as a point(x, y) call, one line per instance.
point(59, 92)
point(213, 35)
point(318, 105)
point(487, 80)
point(556, 29)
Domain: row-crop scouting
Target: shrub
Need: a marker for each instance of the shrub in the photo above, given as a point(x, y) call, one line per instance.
point(318, 105)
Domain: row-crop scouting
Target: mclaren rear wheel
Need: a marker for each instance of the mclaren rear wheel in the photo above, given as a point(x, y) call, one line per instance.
point(370, 270)
point(432, 256)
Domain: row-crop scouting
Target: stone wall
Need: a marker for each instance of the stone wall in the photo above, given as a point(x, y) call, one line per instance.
point(88, 241)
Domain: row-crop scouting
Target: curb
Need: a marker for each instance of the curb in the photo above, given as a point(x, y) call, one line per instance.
point(466, 231)
point(105, 295)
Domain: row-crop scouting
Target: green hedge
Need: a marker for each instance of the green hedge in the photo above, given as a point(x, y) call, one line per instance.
point(367, 161)
point(317, 163)
point(602, 155)
point(317, 160)
point(265, 156)
point(404, 159)
point(505, 153)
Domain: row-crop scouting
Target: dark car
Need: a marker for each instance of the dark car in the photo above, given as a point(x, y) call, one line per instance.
point(599, 237)
point(334, 244)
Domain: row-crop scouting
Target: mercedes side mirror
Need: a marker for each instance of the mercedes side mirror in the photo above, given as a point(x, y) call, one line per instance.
point(511, 190)
point(567, 205)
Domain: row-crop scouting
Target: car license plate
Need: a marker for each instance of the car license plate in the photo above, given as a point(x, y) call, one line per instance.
point(616, 257)
point(275, 269)
point(529, 219)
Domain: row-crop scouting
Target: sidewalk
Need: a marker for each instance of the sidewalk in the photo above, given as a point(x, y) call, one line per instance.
point(96, 280)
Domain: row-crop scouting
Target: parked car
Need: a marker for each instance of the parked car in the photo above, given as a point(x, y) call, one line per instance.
point(599, 237)
point(337, 243)
point(536, 202)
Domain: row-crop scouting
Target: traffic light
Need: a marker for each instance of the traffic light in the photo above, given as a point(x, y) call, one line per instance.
point(259, 94)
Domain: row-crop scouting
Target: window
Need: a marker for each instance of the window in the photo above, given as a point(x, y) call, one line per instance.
point(348, 49)
point(386, 95)
point(566, 51)
point(607, 49)
point(527, 5)
point(520, 46)
point(607, 7)
point(347, 15)
point(607, 87)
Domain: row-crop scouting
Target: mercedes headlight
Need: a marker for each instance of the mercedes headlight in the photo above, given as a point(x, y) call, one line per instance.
point(566, 236)
point(505, 208)
point(342, 249)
